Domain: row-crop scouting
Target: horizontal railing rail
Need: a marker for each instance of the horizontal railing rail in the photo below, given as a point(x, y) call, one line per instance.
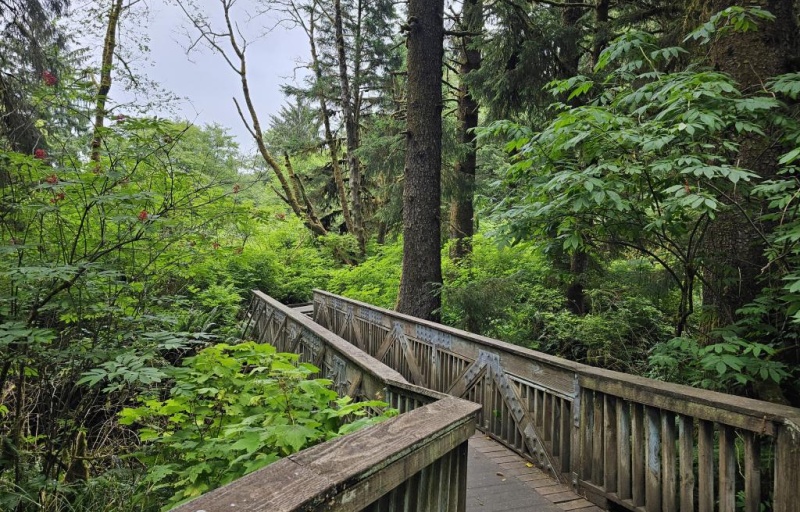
point(414, 461)
point(642, 444)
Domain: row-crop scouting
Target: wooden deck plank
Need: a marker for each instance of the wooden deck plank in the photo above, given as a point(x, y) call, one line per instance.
point(499, 480)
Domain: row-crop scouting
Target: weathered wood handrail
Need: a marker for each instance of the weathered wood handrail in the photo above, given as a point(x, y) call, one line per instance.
point(415, 461)
point(643, 444)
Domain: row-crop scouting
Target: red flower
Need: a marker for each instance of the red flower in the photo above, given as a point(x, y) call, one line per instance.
point(40, 154)
point(49, 78)
point(59, 197)
point(143, 215)
point(52, 179)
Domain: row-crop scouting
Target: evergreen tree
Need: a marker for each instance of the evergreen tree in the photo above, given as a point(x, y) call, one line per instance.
point(422, 270)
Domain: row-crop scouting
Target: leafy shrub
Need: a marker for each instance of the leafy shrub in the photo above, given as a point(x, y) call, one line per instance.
point(234, 409)
point(375, 281)
point(725, 366)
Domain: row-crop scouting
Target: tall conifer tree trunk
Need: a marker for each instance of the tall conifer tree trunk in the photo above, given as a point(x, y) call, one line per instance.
point(422, 269)
point(578, 261)
point(462, 211)
point(734, 246)
point(734, 263)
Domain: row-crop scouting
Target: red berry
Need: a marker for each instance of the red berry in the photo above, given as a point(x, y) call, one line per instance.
point(40, 153)
point(52, 179)
point(49, 78)
point(143, 215)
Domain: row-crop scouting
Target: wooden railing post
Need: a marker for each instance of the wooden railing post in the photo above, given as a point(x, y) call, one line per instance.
point(787, 468)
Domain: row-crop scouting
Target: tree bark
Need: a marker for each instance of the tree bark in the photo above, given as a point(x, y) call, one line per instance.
point(351, 129)
point(600, 39)
point(422, 269)
point(576, 264)
point(107, 63)
point(462, 211)
point(333, 145)
point(734, 245)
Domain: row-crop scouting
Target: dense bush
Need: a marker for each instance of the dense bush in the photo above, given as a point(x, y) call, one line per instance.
point(231, 410)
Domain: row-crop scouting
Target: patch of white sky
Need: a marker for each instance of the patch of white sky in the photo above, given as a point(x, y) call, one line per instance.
point(199, 86)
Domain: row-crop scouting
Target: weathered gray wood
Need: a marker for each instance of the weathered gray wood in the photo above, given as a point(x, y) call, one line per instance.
point(610, 441)
point(669, 491)
point(787, 469)
point(565, 421)
point(623, 450)
point(752, 473)
point(686, 456)
point(653, 469)
point(587, 431)
point(413, 367)
point(638, 455)
point(735, 411)
point(350, 472)
point(468, 378)
point(727, 470)
point(705, 466)
point(342, 347)
point(554, 379)
point(597, 439)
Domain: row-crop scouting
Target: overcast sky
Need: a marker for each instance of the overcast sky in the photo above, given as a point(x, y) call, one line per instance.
point(203, 81)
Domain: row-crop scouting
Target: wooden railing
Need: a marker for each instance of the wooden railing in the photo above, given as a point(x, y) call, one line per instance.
point(415, 461)
point(638, 443)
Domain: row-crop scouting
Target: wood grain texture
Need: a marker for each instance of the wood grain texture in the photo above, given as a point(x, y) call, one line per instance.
point(686, 456)
point(752, 473)
point(787, 468)
point(350, 472)
point(653, 460)
point(705, 466)
point(727, 469)
point(669, 460)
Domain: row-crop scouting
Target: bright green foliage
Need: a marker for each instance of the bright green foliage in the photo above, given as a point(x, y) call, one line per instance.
point(374, 281)
point(278, 256)
point(723, 366)
point(234, 409)
point(92, 288)
point(645, 163)
point(733, 19)
point(511, 293)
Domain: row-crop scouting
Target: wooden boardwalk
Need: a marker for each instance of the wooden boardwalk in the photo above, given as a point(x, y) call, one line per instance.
point(499, 480)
